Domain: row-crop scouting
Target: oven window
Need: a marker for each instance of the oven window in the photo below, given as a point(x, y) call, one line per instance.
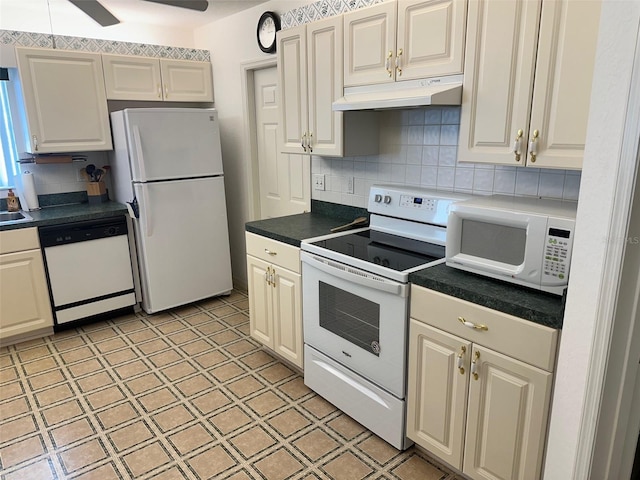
point(353, 318)
point(494, 242)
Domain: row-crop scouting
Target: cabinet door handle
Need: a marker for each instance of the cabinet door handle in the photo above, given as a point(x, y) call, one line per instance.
point(463, 350)
point(267, 275)
point(166, 92)
point(303, 141)
point(273, 277)
point(309, 140)
point(35, 143)
point(517, 145)
point(474, 326)
point(387, 63)
point(533, 146)
point(159, 91)
point(474, 365)
point(399, 62)
point(270, 252)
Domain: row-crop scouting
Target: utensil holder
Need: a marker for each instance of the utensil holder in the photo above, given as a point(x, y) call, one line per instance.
point(97, 192)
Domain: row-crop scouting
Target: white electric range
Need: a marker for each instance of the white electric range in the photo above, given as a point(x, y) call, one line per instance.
point(356, 304)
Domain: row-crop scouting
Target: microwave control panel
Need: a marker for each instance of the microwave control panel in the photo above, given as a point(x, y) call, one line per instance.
point(557, 253)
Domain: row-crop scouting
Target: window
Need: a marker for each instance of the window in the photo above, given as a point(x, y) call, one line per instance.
point(8, 151)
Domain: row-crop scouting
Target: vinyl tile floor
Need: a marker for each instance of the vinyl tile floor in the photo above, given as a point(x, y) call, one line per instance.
point(184, 394)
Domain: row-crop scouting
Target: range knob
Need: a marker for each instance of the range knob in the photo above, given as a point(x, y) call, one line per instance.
point(377, 198)
point(387, 199)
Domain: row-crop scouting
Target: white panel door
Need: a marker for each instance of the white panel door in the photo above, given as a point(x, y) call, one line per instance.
point(562, 88)
point(498, 80)
point(284, 178)
point(325, 82)
point(65, 100)
point(507, 418)
point(132, 78)
point(370, 43)
point(183, 242)
point(186, 80)
point(430, 38)
point(437, 389)
point(287, 315)
point(292, 74)
point(172, 143)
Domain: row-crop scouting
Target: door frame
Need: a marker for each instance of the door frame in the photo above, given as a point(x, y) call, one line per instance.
point(250, 130)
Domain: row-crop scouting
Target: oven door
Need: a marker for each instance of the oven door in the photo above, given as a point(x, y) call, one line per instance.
point(356, 318)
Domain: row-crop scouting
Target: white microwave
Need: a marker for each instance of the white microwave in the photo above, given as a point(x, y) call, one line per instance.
point(526, 241)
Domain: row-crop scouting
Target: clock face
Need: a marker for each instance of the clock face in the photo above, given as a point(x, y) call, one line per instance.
point(268, 25)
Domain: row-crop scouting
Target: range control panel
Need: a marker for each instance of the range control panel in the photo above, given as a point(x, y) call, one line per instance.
point(413, 203)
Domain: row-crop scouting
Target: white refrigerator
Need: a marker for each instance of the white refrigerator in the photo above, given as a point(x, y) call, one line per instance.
point(167, 166)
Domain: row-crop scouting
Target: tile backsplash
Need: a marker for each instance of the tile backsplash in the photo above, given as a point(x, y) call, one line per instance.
point(418, 147)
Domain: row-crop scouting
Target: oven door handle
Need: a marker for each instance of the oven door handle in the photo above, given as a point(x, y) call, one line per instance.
point(350, 274)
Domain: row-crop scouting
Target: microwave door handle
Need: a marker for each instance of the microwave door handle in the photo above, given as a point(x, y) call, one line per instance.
point(336, 270)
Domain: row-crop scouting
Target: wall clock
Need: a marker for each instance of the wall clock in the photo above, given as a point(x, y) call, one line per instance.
point(268, 25)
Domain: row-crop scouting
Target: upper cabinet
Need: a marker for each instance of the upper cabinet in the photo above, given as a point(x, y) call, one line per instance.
point(64, 99)
point(157, 79)
point(404, 40)
point(527, 83)
point(310, 76)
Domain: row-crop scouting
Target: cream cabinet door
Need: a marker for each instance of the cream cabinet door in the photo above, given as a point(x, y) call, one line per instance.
point(287, 315)
point(24, 297)
point(562, 87)
point(325, 84)
point(498, 80)
point(507, 418)
point(370, 44)
point(65, 100)
point(132, 78)
point(292, 75)
point(260, 301)
point(186, 81)
point(437, 391)
point(430, 38)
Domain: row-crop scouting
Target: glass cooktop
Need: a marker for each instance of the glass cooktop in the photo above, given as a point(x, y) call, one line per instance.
point(390, 251)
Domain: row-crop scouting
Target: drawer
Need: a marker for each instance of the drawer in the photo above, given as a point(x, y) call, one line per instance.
point(272, 251)
point(521, 339)
point(19, 240)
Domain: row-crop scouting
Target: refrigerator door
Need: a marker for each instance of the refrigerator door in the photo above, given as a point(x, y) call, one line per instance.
point(182, 240)
point(173, 143)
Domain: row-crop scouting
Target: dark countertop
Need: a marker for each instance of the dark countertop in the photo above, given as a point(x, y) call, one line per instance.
point(539, 307)
point(69, 213)
point(542, 308)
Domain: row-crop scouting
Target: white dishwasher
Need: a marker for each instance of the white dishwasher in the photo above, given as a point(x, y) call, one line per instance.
point(88, 268)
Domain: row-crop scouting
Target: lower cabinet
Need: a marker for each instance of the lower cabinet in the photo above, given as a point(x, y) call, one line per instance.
point(25, 310)
point(275, 304)
point(479, 386)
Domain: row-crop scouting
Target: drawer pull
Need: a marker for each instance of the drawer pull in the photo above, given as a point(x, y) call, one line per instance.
point(463, 350)
point(269, 252)
point(474, 326)
point(474, 365)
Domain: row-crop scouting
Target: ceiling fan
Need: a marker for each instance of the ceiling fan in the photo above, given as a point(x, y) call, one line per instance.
point(104, 17)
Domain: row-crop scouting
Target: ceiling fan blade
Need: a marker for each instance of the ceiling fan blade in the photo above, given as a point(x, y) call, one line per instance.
point(199, 5)
point(95, 10)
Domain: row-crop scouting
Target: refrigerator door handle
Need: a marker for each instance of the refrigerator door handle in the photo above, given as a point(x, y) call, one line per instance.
point(147, 210)
point(138, 147)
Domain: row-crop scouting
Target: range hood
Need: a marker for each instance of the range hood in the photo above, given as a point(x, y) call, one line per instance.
point(404, 94)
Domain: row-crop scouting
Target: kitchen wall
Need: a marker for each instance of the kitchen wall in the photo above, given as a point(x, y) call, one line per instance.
point(418, 147)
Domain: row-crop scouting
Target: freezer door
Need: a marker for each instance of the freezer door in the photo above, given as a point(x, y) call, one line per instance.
point(183, 242)
point(172, 143)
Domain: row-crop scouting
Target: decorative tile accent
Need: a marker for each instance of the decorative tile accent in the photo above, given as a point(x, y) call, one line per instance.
point(64, 42)
point(153, 396)
point(322, 9)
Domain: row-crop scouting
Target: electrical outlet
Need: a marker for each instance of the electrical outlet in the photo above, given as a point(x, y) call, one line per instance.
point(318, 181)
point(350, 186)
